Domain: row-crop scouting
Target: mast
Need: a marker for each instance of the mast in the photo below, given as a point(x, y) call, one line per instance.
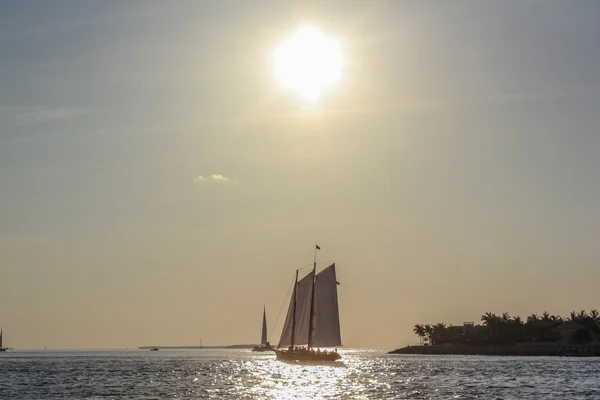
point(312, 298)
point(294, 313)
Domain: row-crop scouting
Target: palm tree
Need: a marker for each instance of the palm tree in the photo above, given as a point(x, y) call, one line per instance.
point(573, 316)
point(556, 319)
point(420, 332)
point(582, 314)
point(428, 332)
point(489, 319)
point(546, 316)
point(516, 330)
point(595, 315)
point(502, 330)
point(532, 318)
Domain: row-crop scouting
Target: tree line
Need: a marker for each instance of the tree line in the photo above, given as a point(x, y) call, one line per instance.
point(506, 329)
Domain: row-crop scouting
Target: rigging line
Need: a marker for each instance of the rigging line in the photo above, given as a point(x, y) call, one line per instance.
point(306, 266)
point(280, 309)
point(283, 304)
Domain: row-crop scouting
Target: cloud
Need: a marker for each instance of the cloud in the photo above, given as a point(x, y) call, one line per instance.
point(212, 178)
point(52, 114)
point(38, 115)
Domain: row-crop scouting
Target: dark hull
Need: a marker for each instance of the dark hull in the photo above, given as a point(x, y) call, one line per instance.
point(3, 348)
point(305, 356)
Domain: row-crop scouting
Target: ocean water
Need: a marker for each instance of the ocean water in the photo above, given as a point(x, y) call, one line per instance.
point(241, 374)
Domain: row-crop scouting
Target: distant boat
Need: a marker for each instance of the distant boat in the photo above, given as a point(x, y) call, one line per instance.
point(313, 318)
point(154, 349)
point(264, 344)
point(2, 348)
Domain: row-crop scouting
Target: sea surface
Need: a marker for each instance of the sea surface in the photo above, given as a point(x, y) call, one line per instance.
point(241, 374)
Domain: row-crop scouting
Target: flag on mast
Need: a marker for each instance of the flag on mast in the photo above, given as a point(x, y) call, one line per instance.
point(317, 247)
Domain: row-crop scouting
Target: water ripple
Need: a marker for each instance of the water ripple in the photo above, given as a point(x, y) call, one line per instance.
point(229, 374)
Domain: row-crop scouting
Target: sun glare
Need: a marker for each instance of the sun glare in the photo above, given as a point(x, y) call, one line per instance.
point(308, 62)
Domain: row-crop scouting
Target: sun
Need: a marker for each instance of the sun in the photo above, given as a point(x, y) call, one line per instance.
point(308, 62)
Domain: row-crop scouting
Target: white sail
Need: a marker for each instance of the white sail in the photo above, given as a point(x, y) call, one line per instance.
point(326, 316)
point(263, 339)
point(303, 294)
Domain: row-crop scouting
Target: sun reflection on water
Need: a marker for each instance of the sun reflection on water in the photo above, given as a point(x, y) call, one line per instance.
point(288, 380)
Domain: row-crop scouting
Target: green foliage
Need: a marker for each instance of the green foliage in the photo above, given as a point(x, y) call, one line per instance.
point(504, 329)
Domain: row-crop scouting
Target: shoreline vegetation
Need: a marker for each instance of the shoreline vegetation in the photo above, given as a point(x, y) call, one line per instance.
point(537, 335)
point(231, 346)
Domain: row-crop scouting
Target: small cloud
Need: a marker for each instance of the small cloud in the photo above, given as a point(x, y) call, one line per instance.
point(41, 116)
point(38, 115)
point(213, 177)
point(219, 177)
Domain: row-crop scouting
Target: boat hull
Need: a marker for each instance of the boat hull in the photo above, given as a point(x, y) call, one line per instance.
point(306, 356)
point(3, 348)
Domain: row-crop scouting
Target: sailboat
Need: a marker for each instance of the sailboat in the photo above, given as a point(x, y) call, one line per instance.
point(313, 318)
point(2, 348)
point(264, 344)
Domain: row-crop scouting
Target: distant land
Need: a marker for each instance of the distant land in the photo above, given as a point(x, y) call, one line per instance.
point(526, 349)
point(232, 346)
point(537, 335)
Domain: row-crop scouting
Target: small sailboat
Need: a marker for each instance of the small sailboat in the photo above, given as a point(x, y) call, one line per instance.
point(313, 318)
point(264, 343)
point(2, 348)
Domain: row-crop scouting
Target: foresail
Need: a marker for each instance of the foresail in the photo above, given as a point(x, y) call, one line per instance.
point(303, 300)
point(286, 334)
point(326, 322)
point(263, 339)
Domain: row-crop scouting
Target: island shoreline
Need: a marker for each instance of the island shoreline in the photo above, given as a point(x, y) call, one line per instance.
point(526, 349)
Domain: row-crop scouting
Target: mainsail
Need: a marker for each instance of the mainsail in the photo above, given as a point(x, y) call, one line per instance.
point(302, 294)
point(326, 318)
point(325, 312)
point(263, 339)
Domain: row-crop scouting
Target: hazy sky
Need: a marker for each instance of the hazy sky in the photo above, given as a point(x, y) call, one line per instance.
point(453, 170)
